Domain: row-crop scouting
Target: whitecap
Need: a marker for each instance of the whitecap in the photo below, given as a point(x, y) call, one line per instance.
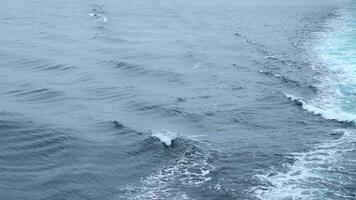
point(327, 111)
point(166, 137)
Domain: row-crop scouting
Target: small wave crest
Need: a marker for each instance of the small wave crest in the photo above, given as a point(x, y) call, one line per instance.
point(288, 80)
point(166, 137)
point(331, 113)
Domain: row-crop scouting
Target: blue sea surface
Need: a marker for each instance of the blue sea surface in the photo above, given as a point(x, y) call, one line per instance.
point(177, 100)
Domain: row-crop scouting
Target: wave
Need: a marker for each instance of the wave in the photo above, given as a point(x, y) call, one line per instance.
point(331, 113)
point(325, 172)
point(288, 80)
point(167, 111)
point(27, 147)
point(146, 71)
point(56, 67)
point(36, 95)
point(36, 64)
point(166, 137)
point(187, 166)
point(109, 93)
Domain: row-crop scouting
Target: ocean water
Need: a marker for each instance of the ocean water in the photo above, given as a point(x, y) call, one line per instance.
point(328, 170)
point(173, 100)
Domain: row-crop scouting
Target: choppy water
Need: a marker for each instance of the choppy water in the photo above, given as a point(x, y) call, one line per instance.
point(176, 100)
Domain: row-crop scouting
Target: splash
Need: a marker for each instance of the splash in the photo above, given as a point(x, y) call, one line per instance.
point(166, 137)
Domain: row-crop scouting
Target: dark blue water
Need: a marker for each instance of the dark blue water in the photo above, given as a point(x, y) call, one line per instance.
point(177, 100)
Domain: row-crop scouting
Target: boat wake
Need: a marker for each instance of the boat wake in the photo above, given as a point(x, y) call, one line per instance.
point(325, 172)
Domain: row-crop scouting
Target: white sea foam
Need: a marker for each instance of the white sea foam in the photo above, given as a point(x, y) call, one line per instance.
point(317, 174)
point(190, 169)
point(99, 17)
point(327, 111)
point(271, 57)
point(270, 73)
point(166, 137)
point(335, 50)
point(327, 170)
point(163, 184)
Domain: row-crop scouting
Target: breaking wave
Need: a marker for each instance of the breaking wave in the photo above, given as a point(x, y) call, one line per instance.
point(333, 113)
